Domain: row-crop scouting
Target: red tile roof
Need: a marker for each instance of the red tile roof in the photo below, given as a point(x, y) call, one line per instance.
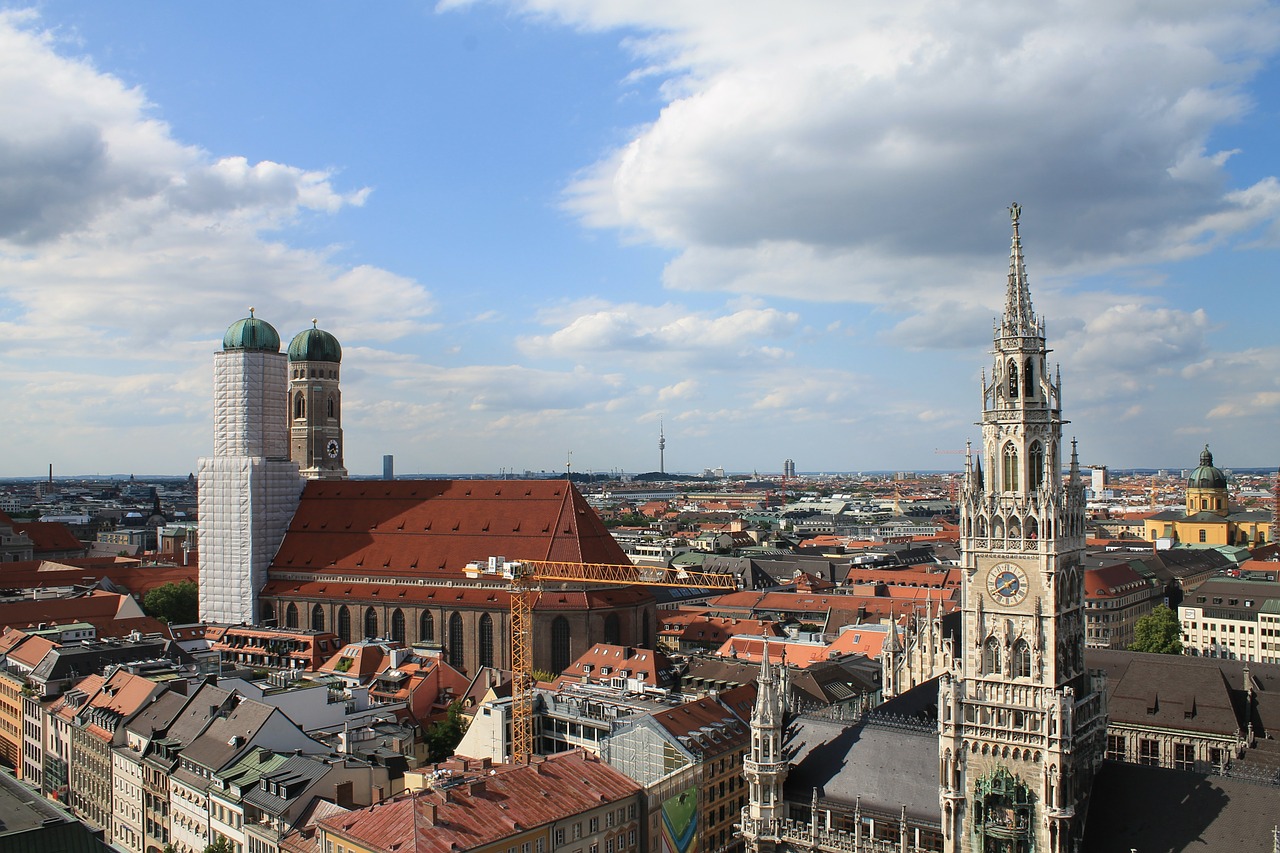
point(49, 536)
point(1112, 581)
point(483, 809)
point(109, 612)
point(705, 726)
point(433, 528)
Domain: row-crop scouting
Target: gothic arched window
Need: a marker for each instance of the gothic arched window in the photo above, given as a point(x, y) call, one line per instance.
point(1021, 659)
point(991, 656)
point(486, 640)
point(611, 630)
point(344, 624)
point(1028, 375)
point(268, 614)
point(397, 625)
point(299, 406)
point(560, 659)
point(1010, 468)
point(317, 618)
point(370, 622)
point(426, 627)
point(1032, 530)
point(1012, 369)
point(331, 406)
point(291, 616)
point(1035, 465)
point(455, 640)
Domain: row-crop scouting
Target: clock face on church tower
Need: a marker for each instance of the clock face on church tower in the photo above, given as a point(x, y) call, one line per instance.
point(1007, 584)
point(332, 448)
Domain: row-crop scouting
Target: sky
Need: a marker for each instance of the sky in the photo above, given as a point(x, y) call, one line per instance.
point(546, 230)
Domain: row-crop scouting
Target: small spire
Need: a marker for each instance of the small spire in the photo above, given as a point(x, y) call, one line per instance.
point(1075, 462)
point(315, 323)
point(250, 312)
point(1019, 318)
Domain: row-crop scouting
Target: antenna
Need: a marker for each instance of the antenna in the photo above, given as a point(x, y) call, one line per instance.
point(662, 448)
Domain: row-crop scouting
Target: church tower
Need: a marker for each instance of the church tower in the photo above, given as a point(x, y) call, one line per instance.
point(315, 403)
point(766, 768)
point(1022, 723)
point(248, 489)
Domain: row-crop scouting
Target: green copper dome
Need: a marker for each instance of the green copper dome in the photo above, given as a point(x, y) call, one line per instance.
point(1207, 476)
point(315, 345)
point(251, 334)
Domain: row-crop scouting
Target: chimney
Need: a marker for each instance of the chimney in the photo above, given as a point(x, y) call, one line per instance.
point(342, 794)
point(428, 812)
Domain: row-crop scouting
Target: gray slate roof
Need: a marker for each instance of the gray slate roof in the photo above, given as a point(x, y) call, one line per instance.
point(887, 767)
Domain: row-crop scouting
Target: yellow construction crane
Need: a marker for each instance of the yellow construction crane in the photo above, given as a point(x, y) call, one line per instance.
point(524, 575)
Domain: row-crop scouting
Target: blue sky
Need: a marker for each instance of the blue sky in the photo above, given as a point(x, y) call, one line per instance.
point(546, 226)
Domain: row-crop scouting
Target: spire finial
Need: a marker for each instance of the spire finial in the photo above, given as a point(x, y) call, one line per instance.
point(315, 324)
point(250, 312)
point(1019, 318)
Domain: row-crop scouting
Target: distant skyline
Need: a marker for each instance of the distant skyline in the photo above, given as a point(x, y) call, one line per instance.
point(547, 226)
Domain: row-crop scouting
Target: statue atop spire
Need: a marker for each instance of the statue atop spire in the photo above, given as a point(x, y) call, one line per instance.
point(1019, 318)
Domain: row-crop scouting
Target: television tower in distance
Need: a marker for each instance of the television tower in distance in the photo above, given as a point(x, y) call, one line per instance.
point(662, 449)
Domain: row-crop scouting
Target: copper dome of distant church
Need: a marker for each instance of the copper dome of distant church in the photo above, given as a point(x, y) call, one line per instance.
point(1207, 476)
point(315, 345)
point(251, 334)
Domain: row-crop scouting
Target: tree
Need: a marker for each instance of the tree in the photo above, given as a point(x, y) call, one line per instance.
point(173, 602)
point(220, 845)
point(443, 737)
point(1158, 632)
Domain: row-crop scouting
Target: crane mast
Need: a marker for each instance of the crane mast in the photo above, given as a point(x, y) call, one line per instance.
point(523, 575)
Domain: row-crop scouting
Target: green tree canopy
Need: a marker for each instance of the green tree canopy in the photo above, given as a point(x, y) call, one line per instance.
point(1159, 631)
point(444, 736)
point(173, 602)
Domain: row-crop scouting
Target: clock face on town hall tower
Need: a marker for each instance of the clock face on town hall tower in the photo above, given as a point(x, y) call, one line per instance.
point(1007, 584)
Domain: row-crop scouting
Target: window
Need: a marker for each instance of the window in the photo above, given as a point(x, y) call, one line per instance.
point(560, 659)
point(1012, 369)
point(1203, 535)
point(1184, 756)
point(594, 825)
point(331, 407)
point(486, 640)
point(991, 656)
point(559, 837)
point(1149, 752)
point(426, 627)
point(1021, 659)
point(1115, 747)
point(397, 625)
point(612, 632)
point(344, 624)
point(370, 622)
point(455, 640)
point(299, 406)
point(1010, 468)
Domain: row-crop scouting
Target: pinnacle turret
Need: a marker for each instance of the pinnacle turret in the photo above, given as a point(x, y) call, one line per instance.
point(1019, 317)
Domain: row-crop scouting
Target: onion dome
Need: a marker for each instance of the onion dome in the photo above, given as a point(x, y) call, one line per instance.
point(251, 334)
point(315, 345)
point(1207, 476)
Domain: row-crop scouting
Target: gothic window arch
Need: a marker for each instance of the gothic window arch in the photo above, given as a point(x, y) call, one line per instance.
point(397, 625)
point(982, 527)
point(291, 616)
point(426, 627)
point(560, 659)
point(485, 640)
point(1032, 528)
point(1012, 370)
point(299, 406)
point(1028, 377)
point(344, 624)
point(455, 640)
point(331, 407)
point(1035, 465)
point(1015, 529)
point(1010, 480)
point(997, 528)
point(1021, 659)
point(317, 618)
point(991, 656)
point(268, 614)
point(612, 632)
point(370, 622)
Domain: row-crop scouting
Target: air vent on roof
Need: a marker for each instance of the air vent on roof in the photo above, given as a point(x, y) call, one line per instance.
point(516, 529)
point(400, 526)
point(486, 527)
point(456, 524)
point(427, 526)
point(360, 562)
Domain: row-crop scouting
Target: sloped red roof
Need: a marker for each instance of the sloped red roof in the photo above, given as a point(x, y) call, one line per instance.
point(1110, 581)
point(137, 579)
point(49, 536)
point(485, 809)
point(433, 528)
point(100, 609)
